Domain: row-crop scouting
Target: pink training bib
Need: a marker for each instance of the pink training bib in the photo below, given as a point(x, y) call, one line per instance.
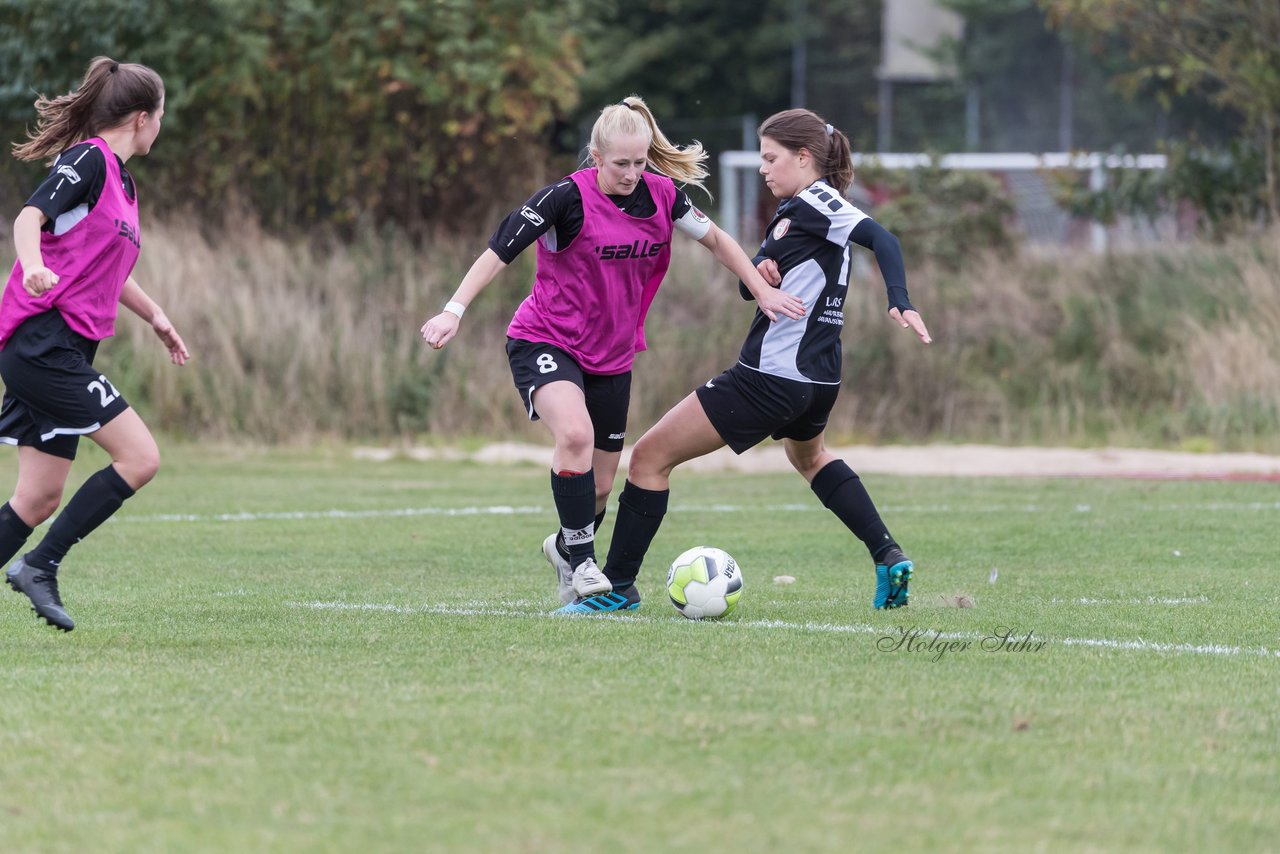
point(590, 299)
point(92, 260)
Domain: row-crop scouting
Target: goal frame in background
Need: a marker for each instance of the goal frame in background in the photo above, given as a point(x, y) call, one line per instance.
point(740, 185)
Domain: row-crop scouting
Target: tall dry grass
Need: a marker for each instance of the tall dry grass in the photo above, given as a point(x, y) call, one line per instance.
point(297, 341)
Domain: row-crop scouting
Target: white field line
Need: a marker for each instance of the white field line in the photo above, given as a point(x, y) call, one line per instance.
point(508, 610)
point(1144, 600)
point(506, 510)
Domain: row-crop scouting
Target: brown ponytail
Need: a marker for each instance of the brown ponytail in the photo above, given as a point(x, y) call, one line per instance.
point(105, 98)
point(828, 146)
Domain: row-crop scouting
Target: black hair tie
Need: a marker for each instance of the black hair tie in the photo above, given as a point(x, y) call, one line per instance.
point(115, 66)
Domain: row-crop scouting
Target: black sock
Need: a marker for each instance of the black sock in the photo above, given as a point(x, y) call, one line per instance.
point(560, 546)
point(575, 497)
point(13, 533)
point(94, 502)
point(841, 491)
point(640, 513)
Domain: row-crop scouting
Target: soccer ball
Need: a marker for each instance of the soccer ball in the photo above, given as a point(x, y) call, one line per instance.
point(704, 583)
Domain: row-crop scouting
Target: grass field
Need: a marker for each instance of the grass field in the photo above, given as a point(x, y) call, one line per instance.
point(296, 651)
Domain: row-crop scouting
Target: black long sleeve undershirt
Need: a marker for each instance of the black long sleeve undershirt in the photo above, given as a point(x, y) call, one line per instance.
point(870, 234)
point(874, 236)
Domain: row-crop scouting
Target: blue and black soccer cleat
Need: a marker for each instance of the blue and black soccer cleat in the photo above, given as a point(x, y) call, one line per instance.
point(893, 574)
point(603, 603)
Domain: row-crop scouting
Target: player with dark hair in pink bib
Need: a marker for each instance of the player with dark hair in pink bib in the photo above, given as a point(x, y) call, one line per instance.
point(603, 239)
point(77, 240)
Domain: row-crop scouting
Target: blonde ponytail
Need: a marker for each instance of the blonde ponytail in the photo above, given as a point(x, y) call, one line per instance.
point(632, 117)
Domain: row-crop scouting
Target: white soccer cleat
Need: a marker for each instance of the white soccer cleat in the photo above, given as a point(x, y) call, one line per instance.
point(588, 580)
point(564, 572)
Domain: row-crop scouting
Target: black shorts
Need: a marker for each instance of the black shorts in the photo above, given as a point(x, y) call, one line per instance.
point(53, 395)
point(746, 406)
point(608, 397)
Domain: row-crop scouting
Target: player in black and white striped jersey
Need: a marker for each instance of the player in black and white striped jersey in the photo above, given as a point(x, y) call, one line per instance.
point(788, 374)
point(808, 240)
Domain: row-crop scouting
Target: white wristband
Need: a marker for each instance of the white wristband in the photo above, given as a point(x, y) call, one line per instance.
point(455, 308)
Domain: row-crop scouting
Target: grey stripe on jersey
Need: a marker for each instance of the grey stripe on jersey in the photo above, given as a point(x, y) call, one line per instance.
point(781, 343)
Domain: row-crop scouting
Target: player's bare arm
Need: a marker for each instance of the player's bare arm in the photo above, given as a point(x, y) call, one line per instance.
point(770, 300)
point(440, 329)
point(134, 298)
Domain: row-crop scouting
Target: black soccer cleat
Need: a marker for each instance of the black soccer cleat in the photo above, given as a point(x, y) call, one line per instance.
point(42, 589)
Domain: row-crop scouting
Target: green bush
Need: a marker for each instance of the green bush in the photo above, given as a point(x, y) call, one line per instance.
point(1225, 188)
point(946, 217)
point(318, 112)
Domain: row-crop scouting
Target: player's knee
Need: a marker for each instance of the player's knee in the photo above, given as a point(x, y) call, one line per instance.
point(647, 460)
point(807, 468)
point(800, 459)
point(150, 465)
point(576, 439)
point(37, 505)
point(808, 462)
point(141, 467)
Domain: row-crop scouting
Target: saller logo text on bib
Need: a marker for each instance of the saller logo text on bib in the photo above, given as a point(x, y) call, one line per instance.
point(623, 251)
point(128, 232)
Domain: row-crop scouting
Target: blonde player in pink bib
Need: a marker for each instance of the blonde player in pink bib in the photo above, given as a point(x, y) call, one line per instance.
point(77, 239)
point(603, 239)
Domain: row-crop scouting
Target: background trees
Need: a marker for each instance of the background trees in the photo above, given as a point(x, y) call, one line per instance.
point(1225, 50)
point(424, 114)
point(307, 112)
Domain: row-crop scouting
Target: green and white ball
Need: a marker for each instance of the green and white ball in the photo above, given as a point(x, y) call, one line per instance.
point(704, 583)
